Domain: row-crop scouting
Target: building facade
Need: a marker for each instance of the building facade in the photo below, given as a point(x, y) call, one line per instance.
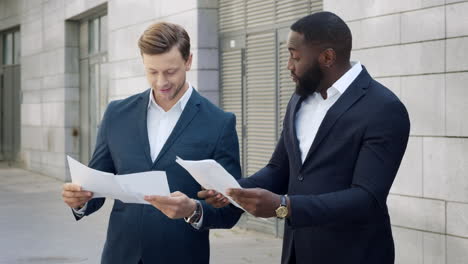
point(62, 61)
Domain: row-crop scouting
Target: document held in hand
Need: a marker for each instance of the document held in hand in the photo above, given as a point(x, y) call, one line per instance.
point(211, 175)
point(129, 188)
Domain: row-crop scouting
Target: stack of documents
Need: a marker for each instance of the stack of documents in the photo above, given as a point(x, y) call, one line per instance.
point(129, 188)
point(211, 175)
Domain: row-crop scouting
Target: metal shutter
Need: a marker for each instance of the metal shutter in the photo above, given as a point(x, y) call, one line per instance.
point(231, 15)
point(286, 85)
point(231, 83)
point(290, 10)
point(261, 100)
point(260, 13)
point(316, 6)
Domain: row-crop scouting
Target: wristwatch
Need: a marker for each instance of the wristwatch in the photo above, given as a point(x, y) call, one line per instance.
point(282, 210)
point(196, 215)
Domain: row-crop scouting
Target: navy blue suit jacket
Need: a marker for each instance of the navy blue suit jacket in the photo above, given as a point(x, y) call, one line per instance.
point(338, 195)
point(138, 232)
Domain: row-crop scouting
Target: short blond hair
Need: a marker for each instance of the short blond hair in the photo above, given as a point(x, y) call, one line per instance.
point(162, 37)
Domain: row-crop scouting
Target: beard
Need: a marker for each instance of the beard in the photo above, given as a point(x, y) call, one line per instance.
point(308, 83)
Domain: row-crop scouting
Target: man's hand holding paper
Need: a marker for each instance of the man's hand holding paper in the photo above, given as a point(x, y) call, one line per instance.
point(88, 183)
point(212, 176)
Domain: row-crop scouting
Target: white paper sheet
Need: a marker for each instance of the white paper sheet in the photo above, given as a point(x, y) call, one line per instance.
point(211, 175)
point(129, 188)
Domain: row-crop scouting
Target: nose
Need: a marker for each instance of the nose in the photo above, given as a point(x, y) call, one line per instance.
point(290, 65)
point(161, 81)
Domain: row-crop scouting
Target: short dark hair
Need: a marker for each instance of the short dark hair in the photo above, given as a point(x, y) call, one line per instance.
point(161, 37)
point(328, 29)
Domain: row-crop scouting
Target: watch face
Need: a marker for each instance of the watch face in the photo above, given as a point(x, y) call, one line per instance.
point(282, 212)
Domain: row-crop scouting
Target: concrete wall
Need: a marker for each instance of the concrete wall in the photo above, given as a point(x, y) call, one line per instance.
point(419, 49)
point(50, 115)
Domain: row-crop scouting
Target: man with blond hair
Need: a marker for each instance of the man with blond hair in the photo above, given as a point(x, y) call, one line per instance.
point(145, 132)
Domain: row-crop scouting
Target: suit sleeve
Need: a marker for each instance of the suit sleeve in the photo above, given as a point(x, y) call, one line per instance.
point(226, 154)
point(383, 147)
point(101, 160)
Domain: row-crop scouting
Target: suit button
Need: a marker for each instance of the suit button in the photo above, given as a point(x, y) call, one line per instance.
point(300, 177)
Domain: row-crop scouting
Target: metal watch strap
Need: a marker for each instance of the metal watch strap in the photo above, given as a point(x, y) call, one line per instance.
point(195, 215)
point(283, 200)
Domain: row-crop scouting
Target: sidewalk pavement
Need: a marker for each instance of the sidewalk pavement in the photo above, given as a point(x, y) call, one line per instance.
point(37, 227)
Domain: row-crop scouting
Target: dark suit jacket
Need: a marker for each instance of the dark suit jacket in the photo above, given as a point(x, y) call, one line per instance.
point(141, 232)
point(338, 195)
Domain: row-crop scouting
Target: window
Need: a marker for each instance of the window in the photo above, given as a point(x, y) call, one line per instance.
point(97, 35)
point(11, 47)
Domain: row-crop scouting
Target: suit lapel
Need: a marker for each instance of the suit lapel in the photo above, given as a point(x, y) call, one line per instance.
point(295, 105)
point(189, 112)
point(354, 92)
point(143, 125)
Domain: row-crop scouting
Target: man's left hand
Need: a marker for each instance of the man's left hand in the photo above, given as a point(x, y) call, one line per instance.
point(175, 206)
point(258, 202)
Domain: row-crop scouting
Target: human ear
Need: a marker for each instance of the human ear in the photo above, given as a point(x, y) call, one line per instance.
point(327, 58)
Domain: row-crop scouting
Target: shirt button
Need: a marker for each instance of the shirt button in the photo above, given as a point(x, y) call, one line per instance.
point(300, 177)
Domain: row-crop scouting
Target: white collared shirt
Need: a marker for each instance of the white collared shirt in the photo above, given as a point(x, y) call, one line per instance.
point(161, 123)
point(314, 108)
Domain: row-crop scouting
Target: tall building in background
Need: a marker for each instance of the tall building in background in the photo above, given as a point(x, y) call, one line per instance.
point(62, 61)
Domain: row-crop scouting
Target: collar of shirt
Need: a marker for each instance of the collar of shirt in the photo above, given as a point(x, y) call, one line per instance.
point(340, 86)
point(345, 81)
point(179, 105)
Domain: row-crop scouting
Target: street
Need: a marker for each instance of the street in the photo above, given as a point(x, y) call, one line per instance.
point(37, 227)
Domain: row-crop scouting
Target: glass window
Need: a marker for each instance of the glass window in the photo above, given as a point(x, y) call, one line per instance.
point(103, 33)
point(8, 49)
point(16, 47)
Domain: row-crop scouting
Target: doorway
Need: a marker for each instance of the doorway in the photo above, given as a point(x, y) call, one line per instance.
point(10, 95)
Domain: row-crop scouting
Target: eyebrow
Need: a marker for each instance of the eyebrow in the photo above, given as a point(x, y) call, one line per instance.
point(170, 69)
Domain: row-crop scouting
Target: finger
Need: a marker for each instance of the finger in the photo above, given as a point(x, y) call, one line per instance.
point(72, 187)
point(205, 194)
point(223, 202)
point(233, 191)
point(166, 200)
point(155, 204)
point(74, 194)
point(177, 194)
point(244, 201)
point(250, 193)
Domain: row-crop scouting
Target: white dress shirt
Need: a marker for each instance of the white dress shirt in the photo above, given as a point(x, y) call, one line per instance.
point(160, 125)
point(314, 108)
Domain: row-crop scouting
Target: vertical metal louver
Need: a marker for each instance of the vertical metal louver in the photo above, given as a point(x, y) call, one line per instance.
point(231, 15)
point(286, 85)
point(287, 10)
point(316, 6)
point(260, 13)
point(261, 99)
point(231, 83)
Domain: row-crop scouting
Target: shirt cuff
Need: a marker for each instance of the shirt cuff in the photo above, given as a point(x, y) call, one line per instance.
point(81, 211)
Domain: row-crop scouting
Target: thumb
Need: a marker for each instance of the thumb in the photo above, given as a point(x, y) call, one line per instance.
point(177, 194)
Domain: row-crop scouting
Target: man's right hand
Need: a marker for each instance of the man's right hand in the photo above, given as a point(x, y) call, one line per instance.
point(74, 196)
point(213, 198)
